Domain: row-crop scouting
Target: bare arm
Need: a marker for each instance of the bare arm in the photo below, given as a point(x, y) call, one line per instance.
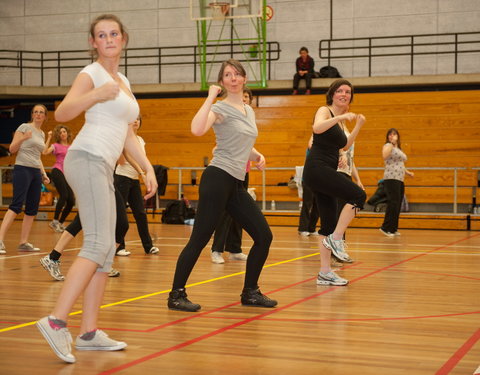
point(82, 95)
point(360, 120)
point(133, 148)
point(258, 158)
point(387, 150)
point(48, 149)
point(45, 178)
point(323, 120)
point(356, 176)
point(132, 162)
point(18, 139)
point(204, 118)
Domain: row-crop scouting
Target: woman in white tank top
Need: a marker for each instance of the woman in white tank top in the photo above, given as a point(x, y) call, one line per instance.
point(105, 96)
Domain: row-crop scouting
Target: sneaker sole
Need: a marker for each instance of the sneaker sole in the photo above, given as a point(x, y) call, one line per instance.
point(387, 234)
point(103, 348)
point(326, 282)
point(52, 345)
point(268, 307)
point(334, 253)
point(238, 259)
point(175, 309)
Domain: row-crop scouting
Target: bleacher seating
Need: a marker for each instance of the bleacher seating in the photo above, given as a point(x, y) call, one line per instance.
point(438, 129)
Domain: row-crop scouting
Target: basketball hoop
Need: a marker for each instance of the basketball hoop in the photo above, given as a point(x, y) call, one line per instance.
point(219, 9)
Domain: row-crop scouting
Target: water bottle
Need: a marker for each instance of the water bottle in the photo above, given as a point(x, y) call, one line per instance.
point(272, 206)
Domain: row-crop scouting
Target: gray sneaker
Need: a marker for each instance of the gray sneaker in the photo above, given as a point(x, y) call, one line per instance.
point(337, 248)
point(114, 273)
point(58, 338)
point(100, 341)
point(56, 226)
point(52, 267)
point(27, 247)
point(330, 278)
point(3, 250)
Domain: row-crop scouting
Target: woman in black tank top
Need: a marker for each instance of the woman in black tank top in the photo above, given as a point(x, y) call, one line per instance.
point(321, 176)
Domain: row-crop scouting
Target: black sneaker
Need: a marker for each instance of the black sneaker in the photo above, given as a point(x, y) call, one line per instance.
point(253, 297)
point(177, 300)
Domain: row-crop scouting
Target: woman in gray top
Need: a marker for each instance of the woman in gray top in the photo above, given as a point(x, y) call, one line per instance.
point(221, 187)
point(393, 177)
point(28, 175)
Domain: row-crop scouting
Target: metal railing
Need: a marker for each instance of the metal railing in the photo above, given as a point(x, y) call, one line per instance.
point(264, 186)
point(155, 57)
point(456, 44)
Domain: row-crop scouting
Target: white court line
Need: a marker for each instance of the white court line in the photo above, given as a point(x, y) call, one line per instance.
point(310, 246)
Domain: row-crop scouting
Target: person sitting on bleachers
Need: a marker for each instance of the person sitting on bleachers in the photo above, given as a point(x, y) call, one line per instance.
point(304, 65)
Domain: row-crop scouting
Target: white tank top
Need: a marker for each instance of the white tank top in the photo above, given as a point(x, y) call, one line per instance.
point(106, 124)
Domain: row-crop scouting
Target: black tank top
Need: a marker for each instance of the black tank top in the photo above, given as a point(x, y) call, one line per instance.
point(326, 145)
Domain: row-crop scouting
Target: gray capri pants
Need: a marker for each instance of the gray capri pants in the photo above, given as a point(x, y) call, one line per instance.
point(91, 179)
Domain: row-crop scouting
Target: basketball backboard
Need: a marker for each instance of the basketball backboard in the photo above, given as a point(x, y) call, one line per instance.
point(207, 10)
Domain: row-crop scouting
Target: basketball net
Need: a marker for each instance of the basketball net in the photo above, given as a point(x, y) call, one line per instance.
point(219, 10)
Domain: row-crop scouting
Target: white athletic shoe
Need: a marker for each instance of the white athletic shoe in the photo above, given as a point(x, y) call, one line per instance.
point(238, 256)
point(123, 253)
point(330, 278)
point(58, 339)
point(100, 341)
point(153, 250)
point(217, 257)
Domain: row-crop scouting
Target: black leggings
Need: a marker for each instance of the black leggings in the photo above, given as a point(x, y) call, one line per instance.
point(328, 185)
point(395, 189)
point(121, 227)
point(228, 233)
point(131, 193)
point(219, 192)
point(66, 199)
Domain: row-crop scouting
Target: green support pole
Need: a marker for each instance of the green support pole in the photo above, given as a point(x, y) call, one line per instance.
point(263, 65)
point(203, 39)
point(202, 45)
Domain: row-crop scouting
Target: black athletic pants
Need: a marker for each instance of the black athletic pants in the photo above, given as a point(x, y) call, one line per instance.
point(219, 192)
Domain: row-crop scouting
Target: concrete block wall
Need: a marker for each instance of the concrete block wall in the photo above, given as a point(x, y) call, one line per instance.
point(49, 25)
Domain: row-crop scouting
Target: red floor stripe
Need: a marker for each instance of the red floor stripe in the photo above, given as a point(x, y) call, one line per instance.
point(248, 320)
point(459, 354)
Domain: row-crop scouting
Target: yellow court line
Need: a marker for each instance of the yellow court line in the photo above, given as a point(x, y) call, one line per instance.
point(164, 291)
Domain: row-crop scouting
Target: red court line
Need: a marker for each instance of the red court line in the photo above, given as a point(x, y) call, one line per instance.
point(201, 314)
point(260, 316)
point(426, 273)
point(459, 354)
point(215, 332)
point(356, 319)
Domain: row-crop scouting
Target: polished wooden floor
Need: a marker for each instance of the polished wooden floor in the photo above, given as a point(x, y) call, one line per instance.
point(412, 307)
